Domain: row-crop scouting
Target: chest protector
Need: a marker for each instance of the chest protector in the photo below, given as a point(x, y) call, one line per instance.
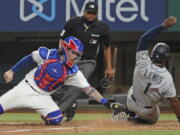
point(50, 75)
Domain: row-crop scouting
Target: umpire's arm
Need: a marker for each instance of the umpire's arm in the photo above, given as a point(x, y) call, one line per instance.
point(67, 31)
point(105, 40)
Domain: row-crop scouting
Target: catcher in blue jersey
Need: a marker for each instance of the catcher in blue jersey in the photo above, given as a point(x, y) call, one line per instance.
point(55, 68)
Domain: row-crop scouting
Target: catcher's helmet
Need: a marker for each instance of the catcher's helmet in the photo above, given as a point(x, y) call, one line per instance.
point(160, 52)
point(73, 49)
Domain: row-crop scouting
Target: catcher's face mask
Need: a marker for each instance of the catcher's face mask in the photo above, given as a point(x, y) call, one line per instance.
point(73, 50)
point(73, 55)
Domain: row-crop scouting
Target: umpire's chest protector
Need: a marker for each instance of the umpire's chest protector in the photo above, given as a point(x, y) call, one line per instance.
point(50, 75)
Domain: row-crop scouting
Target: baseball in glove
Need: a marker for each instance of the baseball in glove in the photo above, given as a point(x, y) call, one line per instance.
point(118, 111)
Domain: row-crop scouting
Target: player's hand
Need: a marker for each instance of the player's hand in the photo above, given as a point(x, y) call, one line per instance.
point(170, 21)
point(60, 43)
point(109, 72)
point(106, 82)
point(8, 76)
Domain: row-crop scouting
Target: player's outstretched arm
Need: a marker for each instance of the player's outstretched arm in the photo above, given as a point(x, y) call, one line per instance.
point(78, 80)
point(175, 103)
point(148, 36)
point(93, 93)
point(24, 62)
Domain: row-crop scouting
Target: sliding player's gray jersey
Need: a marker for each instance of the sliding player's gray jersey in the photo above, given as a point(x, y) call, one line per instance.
point(150, 82)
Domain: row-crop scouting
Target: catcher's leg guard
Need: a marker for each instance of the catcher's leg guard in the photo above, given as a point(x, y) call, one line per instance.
point(1, 109)
point(53, 118)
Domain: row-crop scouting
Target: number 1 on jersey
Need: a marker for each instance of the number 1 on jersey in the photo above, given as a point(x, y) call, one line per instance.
point(147, 87)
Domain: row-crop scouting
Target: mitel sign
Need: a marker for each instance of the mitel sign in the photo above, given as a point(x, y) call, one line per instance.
point(51, 15)
point(119, 8)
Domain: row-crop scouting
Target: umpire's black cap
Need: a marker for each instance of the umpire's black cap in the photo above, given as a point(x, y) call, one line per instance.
point(91, 7)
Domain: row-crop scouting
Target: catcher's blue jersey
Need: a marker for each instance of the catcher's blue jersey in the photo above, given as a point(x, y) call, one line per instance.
point(52, 73)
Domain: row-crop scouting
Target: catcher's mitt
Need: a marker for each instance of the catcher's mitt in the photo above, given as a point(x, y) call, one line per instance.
point(119, 111)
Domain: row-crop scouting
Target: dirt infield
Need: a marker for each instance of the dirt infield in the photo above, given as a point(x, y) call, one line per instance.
point(28, 128)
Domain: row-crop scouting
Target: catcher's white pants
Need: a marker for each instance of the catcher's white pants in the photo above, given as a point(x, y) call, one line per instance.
point(150, 114)
point(23, 96)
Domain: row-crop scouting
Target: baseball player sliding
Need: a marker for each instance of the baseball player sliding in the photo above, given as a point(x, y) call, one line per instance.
point(55, 68)
point(151, 80)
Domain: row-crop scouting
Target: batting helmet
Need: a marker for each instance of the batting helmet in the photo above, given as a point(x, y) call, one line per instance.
point(73, 50)
point(160, 52)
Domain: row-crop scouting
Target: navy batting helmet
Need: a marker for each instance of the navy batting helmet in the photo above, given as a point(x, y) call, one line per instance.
point(160, 52)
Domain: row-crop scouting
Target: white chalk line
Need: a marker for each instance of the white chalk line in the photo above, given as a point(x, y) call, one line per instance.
point(46, 129)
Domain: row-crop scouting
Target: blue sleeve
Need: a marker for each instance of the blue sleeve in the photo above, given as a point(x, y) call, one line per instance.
point(103, 101)
point(24, 62)
point(73, 70)
point(148, 36)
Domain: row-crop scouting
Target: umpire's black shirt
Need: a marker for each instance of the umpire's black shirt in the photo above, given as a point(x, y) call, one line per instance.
point(91, 35)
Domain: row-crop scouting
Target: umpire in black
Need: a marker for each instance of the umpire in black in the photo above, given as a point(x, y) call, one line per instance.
point(93, 34)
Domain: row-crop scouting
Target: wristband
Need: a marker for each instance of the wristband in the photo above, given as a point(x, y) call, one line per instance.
point(103, 101)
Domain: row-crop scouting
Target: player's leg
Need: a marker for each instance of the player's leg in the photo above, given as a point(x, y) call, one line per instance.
point(153, 116)
point(47, 108)
point(69, 103)
point(6, 99)
point(59, 95)
point(24, 96)
point(13, 98)
point(43, 104)
point(139, 114)
point(87, 67)
point(150, 118)
point(53, 118)
point(131, 104)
